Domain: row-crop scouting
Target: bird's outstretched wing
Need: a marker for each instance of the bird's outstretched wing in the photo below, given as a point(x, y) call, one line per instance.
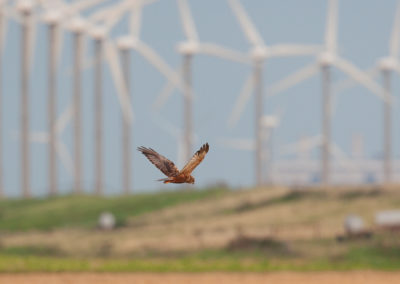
point(163, 164)
point(195, 160)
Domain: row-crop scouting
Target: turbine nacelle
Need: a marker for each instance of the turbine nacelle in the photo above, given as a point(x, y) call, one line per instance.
point(270, 121)
point(326, 59)
point(98, 33)
point(77, 25)
point(127, 42)
point(52, 17)
point(188, 47)
point(25, 6)
point(387, 64)
point(259, 53)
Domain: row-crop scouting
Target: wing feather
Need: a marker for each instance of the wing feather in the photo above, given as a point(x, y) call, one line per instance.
point(166, 166)
point(197, 158)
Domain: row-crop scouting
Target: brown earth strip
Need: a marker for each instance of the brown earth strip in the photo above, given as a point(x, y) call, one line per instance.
point(354, 277)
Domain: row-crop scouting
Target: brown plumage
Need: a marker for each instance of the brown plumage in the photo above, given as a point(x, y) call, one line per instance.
point(169, 169)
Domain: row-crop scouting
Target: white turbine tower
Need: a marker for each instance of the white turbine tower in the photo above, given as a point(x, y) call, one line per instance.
point(4, 13)
point(77, 28)
point(259, 53)
point(99, 37)
point(25, 7)
point(52, 18)
point(268, 125)
point(124, 46)
point(324, 62)
point(3, 23)
point(190, 47)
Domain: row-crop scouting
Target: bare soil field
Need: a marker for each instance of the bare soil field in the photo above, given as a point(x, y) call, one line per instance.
point(355, 277)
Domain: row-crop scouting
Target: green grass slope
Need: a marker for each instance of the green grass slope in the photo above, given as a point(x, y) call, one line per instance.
point(82, 210)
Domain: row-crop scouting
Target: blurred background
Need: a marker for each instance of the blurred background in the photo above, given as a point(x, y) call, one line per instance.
point(297, 100)
point(210, 52)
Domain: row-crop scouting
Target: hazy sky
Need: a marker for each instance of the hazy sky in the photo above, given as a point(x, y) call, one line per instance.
point(363, 37)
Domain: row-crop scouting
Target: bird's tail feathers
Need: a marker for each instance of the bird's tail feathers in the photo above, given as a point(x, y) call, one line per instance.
point(164, 180)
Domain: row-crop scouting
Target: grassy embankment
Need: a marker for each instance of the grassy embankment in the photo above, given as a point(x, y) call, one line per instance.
point(198, 230)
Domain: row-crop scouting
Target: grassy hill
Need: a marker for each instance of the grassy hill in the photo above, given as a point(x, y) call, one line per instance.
point(199, 230)
point(82, 211)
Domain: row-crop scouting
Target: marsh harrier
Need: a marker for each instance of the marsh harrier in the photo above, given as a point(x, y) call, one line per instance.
point(170, 170)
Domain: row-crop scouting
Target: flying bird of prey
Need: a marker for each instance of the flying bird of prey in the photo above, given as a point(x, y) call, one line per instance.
point(169, 169)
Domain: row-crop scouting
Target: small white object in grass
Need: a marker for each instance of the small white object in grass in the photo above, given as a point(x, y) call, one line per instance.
point(353, 224)
point(389, 218)
point(106, 221)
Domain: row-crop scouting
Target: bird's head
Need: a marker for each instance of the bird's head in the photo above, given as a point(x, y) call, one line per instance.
point(191, 180)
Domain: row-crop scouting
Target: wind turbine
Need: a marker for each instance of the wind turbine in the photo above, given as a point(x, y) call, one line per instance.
point(190, 47)
point(99, 34)
point(122, 79)
point(103, 23)
point(25, 7)
point(259, 53)
point(324, 62)
point(385, 65)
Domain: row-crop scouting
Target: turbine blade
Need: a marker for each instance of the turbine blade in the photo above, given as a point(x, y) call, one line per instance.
point(122, 92)
point(78, 6)
point(187, 21)
point(346, 84)
point(394, 39)
point(135, 19)
point(359, 76)
point(113, 18)
point(101, 14)
point(167, 126)
point(64, 119)
point(159, 64)
point(223, 52)
point(246, 24)
point(165, 93)
point(241, 101)
point(293, 79)
point(65, 157)
point(331, 26)
point(136, 16)
point(12, 14)
point(293, 50)
point(349, 82)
